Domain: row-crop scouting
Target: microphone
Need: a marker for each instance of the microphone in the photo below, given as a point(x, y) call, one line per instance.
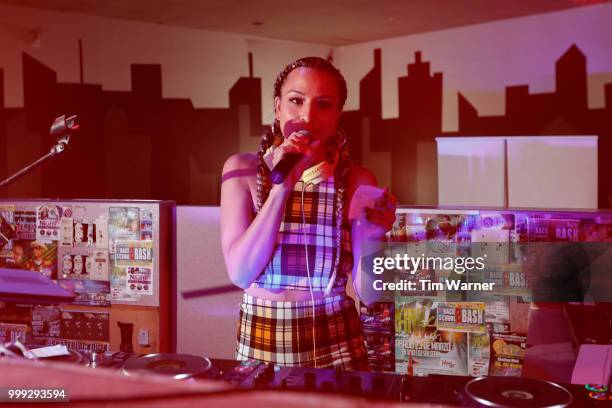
point(287, 163)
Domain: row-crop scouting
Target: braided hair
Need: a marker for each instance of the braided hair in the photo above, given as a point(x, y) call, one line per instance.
point(336, 143)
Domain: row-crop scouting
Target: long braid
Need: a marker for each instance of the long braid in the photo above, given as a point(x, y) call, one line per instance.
point(263, 179)
point(270, 137)
point(341, 176)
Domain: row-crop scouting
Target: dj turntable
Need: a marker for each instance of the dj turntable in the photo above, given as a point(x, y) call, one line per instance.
point(450, 390)
point(177, 366)
point(437, 389)
point(515, 392)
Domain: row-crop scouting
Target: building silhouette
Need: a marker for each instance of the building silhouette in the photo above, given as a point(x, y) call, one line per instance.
point(138, 145)
point(562, 112)
point(412, 135)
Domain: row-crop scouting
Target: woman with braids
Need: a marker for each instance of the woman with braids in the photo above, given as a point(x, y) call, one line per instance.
point(290, 246)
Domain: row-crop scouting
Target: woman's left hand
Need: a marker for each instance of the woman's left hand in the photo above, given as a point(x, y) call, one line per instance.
point(381, 216)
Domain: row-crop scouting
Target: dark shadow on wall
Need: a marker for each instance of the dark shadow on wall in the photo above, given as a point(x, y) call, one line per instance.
point(138, 145)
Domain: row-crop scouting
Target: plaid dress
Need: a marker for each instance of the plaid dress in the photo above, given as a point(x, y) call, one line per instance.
point(287, 266)
point(282, 331)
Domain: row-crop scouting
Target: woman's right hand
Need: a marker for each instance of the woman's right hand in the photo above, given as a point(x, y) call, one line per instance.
point(296, 143)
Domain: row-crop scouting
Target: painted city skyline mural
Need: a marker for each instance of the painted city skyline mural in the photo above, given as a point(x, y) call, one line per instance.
point(138, 145)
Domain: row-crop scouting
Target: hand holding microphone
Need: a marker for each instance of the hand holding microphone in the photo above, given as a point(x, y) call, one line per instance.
point(291, 152)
